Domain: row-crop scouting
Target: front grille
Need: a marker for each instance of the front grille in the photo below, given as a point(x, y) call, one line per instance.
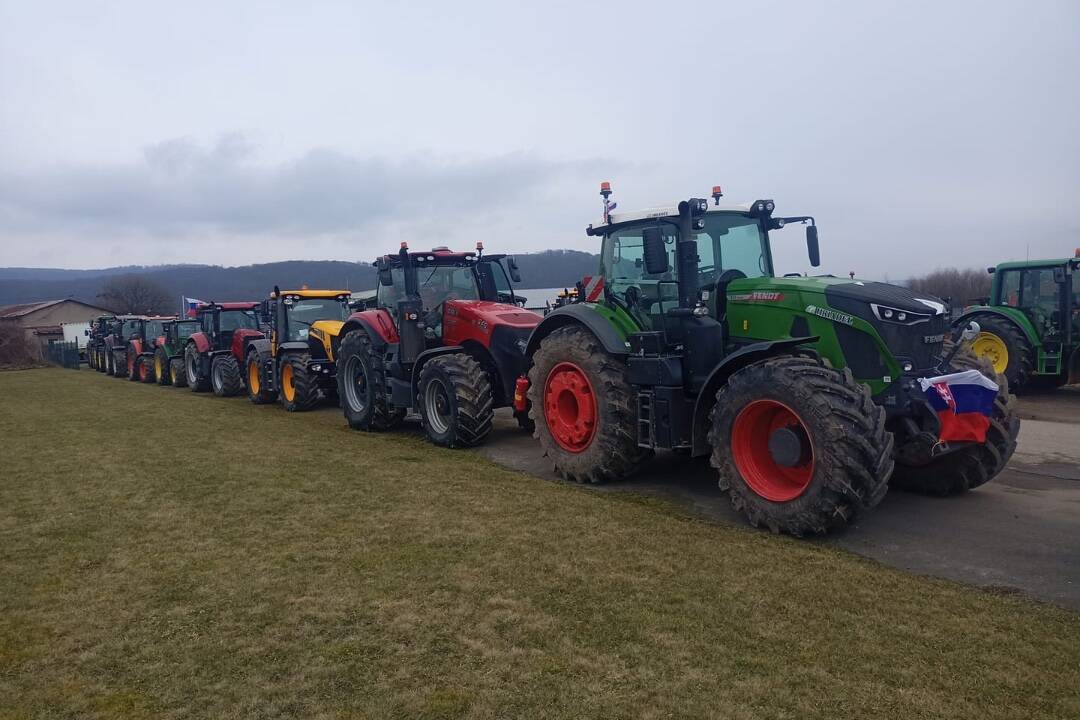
point(910, 341)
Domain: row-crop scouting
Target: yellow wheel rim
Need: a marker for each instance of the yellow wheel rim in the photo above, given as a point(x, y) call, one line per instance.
point(253, 377)
point(287, 387)
point(158, 369)
point(993, 348)
point(172, 375)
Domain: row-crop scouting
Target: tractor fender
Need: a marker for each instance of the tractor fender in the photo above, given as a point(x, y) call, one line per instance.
point(201, 342)
point(578, 314)
point(137, 346)
point(423, 357)
point(292, 346)
point(1016, 317)
point(728, 366)
point(376, 323)
point(240, 339)
point(259, 345)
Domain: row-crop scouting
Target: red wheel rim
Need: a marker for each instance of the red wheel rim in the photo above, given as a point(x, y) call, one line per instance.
point(570, 407)
point(754, 426)
point(144, 371)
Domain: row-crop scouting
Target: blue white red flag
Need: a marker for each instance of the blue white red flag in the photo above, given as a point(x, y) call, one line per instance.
point(964, 402)
point(192, 304)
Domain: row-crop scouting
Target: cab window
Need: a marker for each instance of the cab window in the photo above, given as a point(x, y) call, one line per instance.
point(646, 296)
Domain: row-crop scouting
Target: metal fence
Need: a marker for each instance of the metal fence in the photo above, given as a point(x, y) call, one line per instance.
point(64, 354)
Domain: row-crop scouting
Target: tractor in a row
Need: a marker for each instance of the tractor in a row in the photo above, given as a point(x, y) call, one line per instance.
point(444, 340)
point(100, 327)
point(142, 343)
point(214, 353)
point(802, 391)
point(295, 365)
point(1029, 327)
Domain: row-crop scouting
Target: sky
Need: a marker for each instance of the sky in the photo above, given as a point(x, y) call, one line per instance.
point(919, 134)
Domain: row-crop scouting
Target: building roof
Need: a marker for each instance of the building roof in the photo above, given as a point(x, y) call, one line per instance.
point(15, 311)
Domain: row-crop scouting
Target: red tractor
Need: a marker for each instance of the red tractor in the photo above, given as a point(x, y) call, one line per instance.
point(214, 355)
point(444, 340)
point(148, 334)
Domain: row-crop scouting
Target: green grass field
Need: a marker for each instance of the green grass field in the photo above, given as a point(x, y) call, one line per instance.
point(165, 554)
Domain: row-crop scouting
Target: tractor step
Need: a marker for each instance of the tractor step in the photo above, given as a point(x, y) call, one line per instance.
point(646, 428)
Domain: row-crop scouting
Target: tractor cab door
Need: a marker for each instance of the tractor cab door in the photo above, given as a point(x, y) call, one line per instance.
point(1035, 292)
point(647, 297)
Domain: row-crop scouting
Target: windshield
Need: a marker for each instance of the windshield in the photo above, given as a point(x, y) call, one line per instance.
point(154, 328)
point(731, 241)
point(185, 330)
point(238, 319)
point(303, 313)
point(436, 284)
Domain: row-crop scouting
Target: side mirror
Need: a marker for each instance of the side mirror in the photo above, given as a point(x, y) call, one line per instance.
point(86, 332)
point(386, 276)
point(515, 273)
point(656, 259)
point(812, 247)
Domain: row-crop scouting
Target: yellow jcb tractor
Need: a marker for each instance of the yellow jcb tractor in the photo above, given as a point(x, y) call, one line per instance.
point(296, 364)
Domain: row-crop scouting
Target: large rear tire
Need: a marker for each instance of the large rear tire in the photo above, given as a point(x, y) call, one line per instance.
point(177, 373)
point(259, 391)
point(119, 364)
point(298, 389)
point(193, 370)
point(145, 368)
point(583, 408)
point(161, 367)
point(134, 367)
point(972, 465)
point(456, 402)
point(225, 376)
point(1005, 347)
point(800, 447)
point(362, 385)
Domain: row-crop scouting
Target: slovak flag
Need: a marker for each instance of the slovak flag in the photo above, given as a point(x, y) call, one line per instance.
point(964, 402)
point(192, 304)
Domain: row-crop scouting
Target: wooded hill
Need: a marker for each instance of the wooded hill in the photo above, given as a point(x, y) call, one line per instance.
point(552, 268)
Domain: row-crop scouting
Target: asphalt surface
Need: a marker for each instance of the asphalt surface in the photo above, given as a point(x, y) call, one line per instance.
point(1019, 533)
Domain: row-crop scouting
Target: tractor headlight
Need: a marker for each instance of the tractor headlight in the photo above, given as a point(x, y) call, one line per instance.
point(895, 315)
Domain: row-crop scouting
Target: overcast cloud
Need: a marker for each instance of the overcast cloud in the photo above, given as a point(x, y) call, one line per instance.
point(919, 134)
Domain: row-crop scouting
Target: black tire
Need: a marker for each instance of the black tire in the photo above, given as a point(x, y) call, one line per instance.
point(972, 465)
point(1021, 353)
point(119, 364)
point(177, 373)
point(146, 361)
point(225, 377)
point(850, 452)
point(258, 389)
point(456, 402)
point(161, 367)
point(611, 451)
point(133, 373)
point(362, 385)
point(298, 389)
point(90, 357)
point(193, 370)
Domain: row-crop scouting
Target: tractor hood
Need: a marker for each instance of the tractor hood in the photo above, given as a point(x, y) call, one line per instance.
point(844, 292)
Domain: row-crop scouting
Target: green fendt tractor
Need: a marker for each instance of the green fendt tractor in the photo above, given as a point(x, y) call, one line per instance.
point(169, 352)
point(803, 391)
point(1029, 327)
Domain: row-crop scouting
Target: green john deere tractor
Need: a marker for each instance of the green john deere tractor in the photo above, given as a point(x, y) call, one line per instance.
point(802, 391)
point(1029, 327)
point(169, 353)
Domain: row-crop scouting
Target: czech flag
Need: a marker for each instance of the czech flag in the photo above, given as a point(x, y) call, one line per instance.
point(192, 304)
point(964, 402)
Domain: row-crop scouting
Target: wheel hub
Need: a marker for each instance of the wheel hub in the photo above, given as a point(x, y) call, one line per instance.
point(772, 450)
point(993, 348)
point(570, 407)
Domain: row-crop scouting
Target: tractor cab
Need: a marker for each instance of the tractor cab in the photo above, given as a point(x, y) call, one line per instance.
point(219, 321)
point(176, 332)
point(310, 317)
point(416, 288)
point(1029, 327)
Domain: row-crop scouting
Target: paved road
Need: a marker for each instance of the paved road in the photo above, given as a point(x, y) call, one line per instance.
point(1020, 533)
